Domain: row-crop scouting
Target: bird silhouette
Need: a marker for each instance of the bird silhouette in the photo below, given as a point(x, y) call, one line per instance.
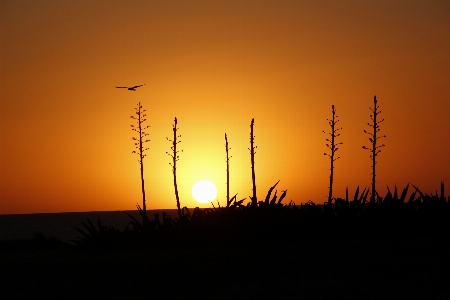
point(133, 88)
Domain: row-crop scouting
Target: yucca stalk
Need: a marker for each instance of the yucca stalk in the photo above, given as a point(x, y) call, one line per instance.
point(228, 170)
point(333, 147)
point(139, 144)
point(374, 149)
point(175, 158)
point(252, 159)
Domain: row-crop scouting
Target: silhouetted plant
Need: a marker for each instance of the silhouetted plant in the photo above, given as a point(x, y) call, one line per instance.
point(374, 149)
point(234, 203)
point(139, 142)
point(333, 147)
point(391, 216)
point(135, 223)
point(231, 202)
point(252, 160)
point(271, 221)
point(274, 201)
point(100, 234)
point(228, 171)
point(175, 158)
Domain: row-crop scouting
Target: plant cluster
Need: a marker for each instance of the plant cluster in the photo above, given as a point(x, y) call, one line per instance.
point(394, 216)
point(271, 220)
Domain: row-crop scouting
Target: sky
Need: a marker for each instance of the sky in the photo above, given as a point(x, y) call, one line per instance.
point(66, 139)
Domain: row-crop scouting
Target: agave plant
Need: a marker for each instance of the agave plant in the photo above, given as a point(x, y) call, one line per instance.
point(333, 146)
point(175, 157)
point(274, 201)
point(97, 234)
point(252, 161)
point(140, 129)
point(373, 138)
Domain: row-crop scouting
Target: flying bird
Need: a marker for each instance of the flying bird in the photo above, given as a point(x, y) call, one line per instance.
point(133, 88)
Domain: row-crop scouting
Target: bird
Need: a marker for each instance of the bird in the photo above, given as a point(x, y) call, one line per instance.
point(133, 88)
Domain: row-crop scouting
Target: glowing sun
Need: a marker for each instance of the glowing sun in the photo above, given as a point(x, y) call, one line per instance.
point(204, 191)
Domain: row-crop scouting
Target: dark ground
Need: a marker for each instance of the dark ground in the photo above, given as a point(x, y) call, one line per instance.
point(324, 269)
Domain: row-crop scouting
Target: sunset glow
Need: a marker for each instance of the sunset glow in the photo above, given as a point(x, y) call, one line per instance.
point(65, 127)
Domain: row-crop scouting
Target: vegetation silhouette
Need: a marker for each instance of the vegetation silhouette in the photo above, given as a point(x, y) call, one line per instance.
point(352, 248)
point(140, 129)
point(393, 247)
point(233, 200)
point(333, 147)
point(390, 217)
point(271, 220)
point(252, 160)
point(374, 149)
point(175, 157)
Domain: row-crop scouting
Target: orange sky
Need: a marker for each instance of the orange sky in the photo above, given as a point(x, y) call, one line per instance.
point(65, 129)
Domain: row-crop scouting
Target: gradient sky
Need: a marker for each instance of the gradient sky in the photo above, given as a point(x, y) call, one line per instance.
point(65, 129)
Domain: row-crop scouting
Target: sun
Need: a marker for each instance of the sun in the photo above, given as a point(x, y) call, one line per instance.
point(204, 191)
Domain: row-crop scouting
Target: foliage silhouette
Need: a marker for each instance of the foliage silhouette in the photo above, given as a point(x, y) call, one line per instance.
point(140, 129)
point(391, 216)
point(175, 157)
point(228, 170)
point(374, 149)
point(252, 160)
point(99, 236)
point(271, 221)
point(351, 238)
point(230, 201)
point(333, 147)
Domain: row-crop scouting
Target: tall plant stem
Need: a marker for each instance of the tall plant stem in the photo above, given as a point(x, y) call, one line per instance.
point(144, 205)
point(374, 146)
point(228, 171)
point(373, 138)
point(139, 145)
point(175, 167)
point(252, 159)
point(330, 192)
point(175, 157)
point(333, 147)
